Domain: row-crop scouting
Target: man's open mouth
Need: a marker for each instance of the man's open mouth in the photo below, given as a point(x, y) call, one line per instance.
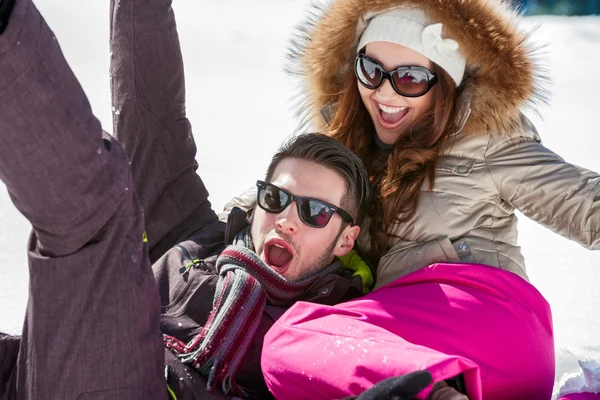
point(278, 253)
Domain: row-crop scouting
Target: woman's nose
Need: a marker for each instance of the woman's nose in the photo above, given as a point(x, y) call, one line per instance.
point(386, 91)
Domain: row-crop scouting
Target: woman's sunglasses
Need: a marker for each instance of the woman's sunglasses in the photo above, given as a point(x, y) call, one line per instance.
point(314, 213)
point(410, 81)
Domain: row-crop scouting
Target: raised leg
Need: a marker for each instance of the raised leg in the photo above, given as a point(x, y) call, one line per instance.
point(92, 322)
point(148, 94)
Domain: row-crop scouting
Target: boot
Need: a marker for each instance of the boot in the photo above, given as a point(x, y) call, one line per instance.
point(9, 351)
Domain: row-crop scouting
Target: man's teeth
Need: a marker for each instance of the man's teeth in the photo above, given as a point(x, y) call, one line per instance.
point(391, 110)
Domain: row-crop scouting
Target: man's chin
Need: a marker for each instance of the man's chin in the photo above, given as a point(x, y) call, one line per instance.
point(283, 270)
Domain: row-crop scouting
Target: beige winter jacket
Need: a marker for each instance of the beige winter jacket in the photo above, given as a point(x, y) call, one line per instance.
point(496, 163)
point(469, 216)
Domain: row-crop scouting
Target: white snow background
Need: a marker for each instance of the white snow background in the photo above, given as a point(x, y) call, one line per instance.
point(238, 102)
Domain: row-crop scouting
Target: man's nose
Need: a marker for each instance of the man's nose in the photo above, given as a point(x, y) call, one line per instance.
point(288, 220)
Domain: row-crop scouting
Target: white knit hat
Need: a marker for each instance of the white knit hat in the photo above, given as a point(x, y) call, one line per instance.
point(410, 27)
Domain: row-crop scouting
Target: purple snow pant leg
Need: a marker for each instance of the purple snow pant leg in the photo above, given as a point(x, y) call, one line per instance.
point(91, 328)
point(150, 121)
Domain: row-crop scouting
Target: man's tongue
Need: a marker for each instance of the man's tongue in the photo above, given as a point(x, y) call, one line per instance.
point(392, 118)
point(278, 256)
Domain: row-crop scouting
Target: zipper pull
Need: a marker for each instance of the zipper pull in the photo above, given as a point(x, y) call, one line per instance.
point(186, 267)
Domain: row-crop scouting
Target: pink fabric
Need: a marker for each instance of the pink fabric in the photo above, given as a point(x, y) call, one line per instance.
point(447, 318)
point(581, 396)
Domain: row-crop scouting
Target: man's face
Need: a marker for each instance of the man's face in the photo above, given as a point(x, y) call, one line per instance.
point(289, 246)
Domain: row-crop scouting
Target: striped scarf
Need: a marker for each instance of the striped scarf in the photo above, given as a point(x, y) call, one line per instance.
point(245, 284)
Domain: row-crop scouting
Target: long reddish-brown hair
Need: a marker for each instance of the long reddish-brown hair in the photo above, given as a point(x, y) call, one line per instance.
point(397, 176)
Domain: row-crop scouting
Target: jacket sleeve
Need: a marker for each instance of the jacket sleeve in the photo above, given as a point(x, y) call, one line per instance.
point(245, 201)
point(560, 196)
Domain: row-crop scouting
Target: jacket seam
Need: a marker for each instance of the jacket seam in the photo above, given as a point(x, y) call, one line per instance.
point(487, 166)
point(512, 141)
point(490, 230)
point(553, 218)
point(568, 223)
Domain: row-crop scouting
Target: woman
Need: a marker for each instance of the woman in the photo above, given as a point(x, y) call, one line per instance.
point(446, 144)
point(430, 95)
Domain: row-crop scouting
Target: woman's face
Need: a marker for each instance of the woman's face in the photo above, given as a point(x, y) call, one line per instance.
point(393, 114)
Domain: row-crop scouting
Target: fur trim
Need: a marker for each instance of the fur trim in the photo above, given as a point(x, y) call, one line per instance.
point(504, 74)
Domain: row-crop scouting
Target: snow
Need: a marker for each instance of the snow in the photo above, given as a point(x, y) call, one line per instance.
point(238, 99)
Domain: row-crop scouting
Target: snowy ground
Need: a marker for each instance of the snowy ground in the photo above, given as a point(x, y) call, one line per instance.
point(237, 101)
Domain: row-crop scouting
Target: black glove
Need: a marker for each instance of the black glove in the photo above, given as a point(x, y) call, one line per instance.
point(6, 7)
point(403, 387)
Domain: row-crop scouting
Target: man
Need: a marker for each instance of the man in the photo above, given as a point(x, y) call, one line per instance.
point(92, 323)
point(216, 322)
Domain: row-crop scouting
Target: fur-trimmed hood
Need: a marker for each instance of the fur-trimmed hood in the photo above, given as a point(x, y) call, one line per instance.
point(503, 72)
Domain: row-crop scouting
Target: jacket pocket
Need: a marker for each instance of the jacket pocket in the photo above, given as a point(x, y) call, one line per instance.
point(191, 300)
point(198, 284)
point(460, 166)
point(399, 262)
point(178, 273)
point(465, 251)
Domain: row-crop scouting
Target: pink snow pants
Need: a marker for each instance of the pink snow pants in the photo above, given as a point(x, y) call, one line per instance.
point(485, 323)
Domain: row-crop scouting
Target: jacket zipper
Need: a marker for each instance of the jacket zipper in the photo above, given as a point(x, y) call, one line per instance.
point(193, 263)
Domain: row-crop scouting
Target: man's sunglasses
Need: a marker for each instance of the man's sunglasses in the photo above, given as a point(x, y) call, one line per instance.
point(313, 212)
point(409, 81)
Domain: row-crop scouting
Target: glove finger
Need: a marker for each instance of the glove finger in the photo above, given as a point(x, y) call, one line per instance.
point(400, 387)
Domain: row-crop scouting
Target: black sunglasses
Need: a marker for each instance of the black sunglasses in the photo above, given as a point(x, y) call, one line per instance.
point(408, 81)
point(314, 213)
